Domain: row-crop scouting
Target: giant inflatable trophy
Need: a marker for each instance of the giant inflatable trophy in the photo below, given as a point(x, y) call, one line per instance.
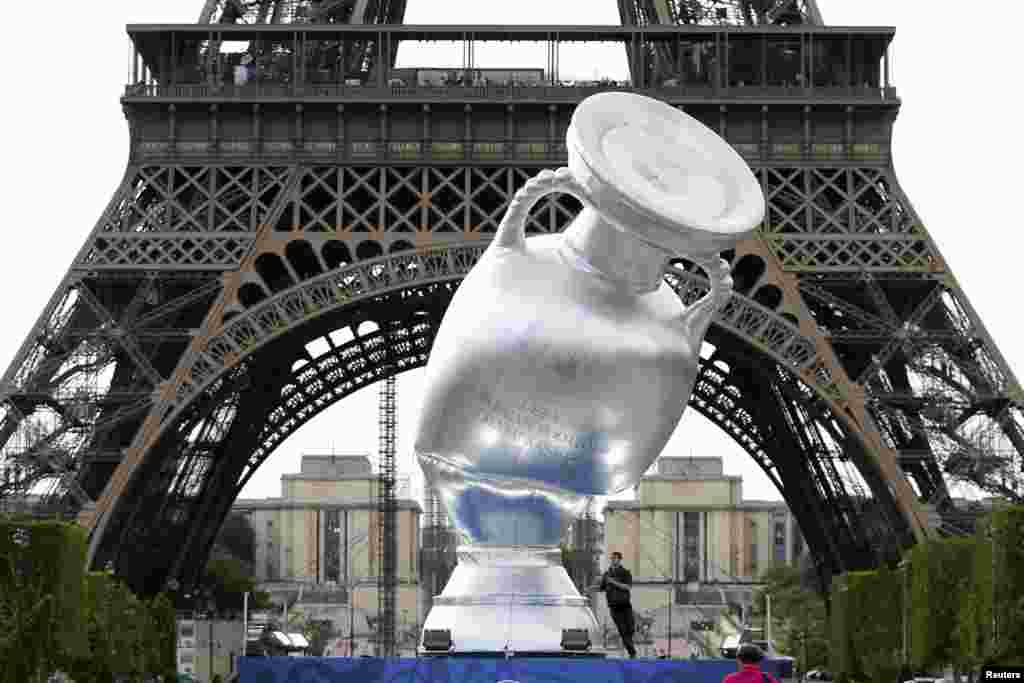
point(564, 363)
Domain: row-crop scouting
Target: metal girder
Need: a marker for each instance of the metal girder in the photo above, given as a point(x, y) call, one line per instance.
point(350, 239)
point(50, 458)
point(393, 194)
point(663, 57)
point(406, 322)
point(869, 229)
point(294, 243)
point(171, 219)
point(195, 198)
point(390, 196)
point(247, 332)
point(121, 336)
point(719, 12)
point(302, 11)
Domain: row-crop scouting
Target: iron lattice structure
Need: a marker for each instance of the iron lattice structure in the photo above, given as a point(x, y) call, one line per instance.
point(387, 512)
point(272, 250)
point(662, 59)
point(302, 12)
point(720, 12)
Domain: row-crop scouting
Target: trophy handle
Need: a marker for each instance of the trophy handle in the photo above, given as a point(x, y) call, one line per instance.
point(511, 234)
point(511, 231)
point(698, 317)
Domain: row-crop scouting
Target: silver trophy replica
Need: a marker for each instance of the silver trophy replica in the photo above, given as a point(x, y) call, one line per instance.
point(564, 363)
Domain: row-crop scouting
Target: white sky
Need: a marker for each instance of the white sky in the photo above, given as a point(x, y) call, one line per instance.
point(957, 139)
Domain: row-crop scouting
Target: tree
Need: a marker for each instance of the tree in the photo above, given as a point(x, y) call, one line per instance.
point(228, 579)
point(237, 539)
point(799, 624)
point(319, 632)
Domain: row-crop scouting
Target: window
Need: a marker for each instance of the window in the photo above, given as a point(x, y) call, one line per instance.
point(753, 548)
point(691, 546)
point(779, 543)
point(332, 546)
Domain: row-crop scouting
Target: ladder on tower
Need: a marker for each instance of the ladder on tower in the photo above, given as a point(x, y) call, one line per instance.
point(387, 509)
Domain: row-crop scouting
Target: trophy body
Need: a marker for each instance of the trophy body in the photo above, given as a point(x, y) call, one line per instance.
point(559, 372)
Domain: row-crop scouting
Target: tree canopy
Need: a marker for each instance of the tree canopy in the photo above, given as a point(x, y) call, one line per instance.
point(799, 621)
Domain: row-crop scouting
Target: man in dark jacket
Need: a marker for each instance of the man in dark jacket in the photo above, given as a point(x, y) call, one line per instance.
point(616, 583)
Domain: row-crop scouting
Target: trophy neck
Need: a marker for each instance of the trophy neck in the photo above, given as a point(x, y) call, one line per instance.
point(616, 254)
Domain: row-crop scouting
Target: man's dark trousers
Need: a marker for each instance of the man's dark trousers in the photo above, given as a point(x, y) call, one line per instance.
point(622, 615)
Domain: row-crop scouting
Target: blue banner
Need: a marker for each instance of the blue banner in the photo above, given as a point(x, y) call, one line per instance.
point(472, 670)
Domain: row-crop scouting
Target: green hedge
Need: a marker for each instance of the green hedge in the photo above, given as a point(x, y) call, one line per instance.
point(866, 625)
point(966, 606)
point(974, 621)
point(40, 594)
point(1008, 581)
point(940, 577)
point(54, 616)
point(876, 606)
point(841, 659)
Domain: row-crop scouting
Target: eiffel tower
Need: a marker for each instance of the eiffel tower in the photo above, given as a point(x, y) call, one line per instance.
point(296, 213)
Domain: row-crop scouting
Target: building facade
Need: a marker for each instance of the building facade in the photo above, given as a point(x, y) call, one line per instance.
point(695, 548)
point(317, 547)
point(207, 647)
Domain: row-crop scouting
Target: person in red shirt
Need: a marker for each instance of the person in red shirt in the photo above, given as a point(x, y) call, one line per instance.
point(749, 657)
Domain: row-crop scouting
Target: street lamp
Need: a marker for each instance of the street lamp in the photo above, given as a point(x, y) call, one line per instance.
point(670, 600)
point(351, 627)
point(405, 615)
point(210, 607)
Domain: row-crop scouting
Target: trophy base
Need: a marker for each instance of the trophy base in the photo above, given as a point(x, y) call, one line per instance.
point(510, 601)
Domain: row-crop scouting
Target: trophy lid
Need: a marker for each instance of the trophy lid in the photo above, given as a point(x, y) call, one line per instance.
point(661, 175)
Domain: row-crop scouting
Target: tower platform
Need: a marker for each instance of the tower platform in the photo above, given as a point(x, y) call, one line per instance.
point(492, 670)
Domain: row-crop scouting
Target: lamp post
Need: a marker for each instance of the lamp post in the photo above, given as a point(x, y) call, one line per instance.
point(803, 647)
point(405, 619)
point(245, 624)
point(208, 594)
point(688, 646)
point(351, 627)
point(349, 582)
point(670, 599)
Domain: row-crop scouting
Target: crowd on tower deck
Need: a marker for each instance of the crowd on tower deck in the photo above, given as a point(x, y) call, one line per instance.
point(333, 66)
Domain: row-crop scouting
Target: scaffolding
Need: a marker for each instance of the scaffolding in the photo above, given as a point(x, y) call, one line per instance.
point(387, 510)
point(437, 550)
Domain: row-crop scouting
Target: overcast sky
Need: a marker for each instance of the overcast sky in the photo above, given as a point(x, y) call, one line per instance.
point(957, 152)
